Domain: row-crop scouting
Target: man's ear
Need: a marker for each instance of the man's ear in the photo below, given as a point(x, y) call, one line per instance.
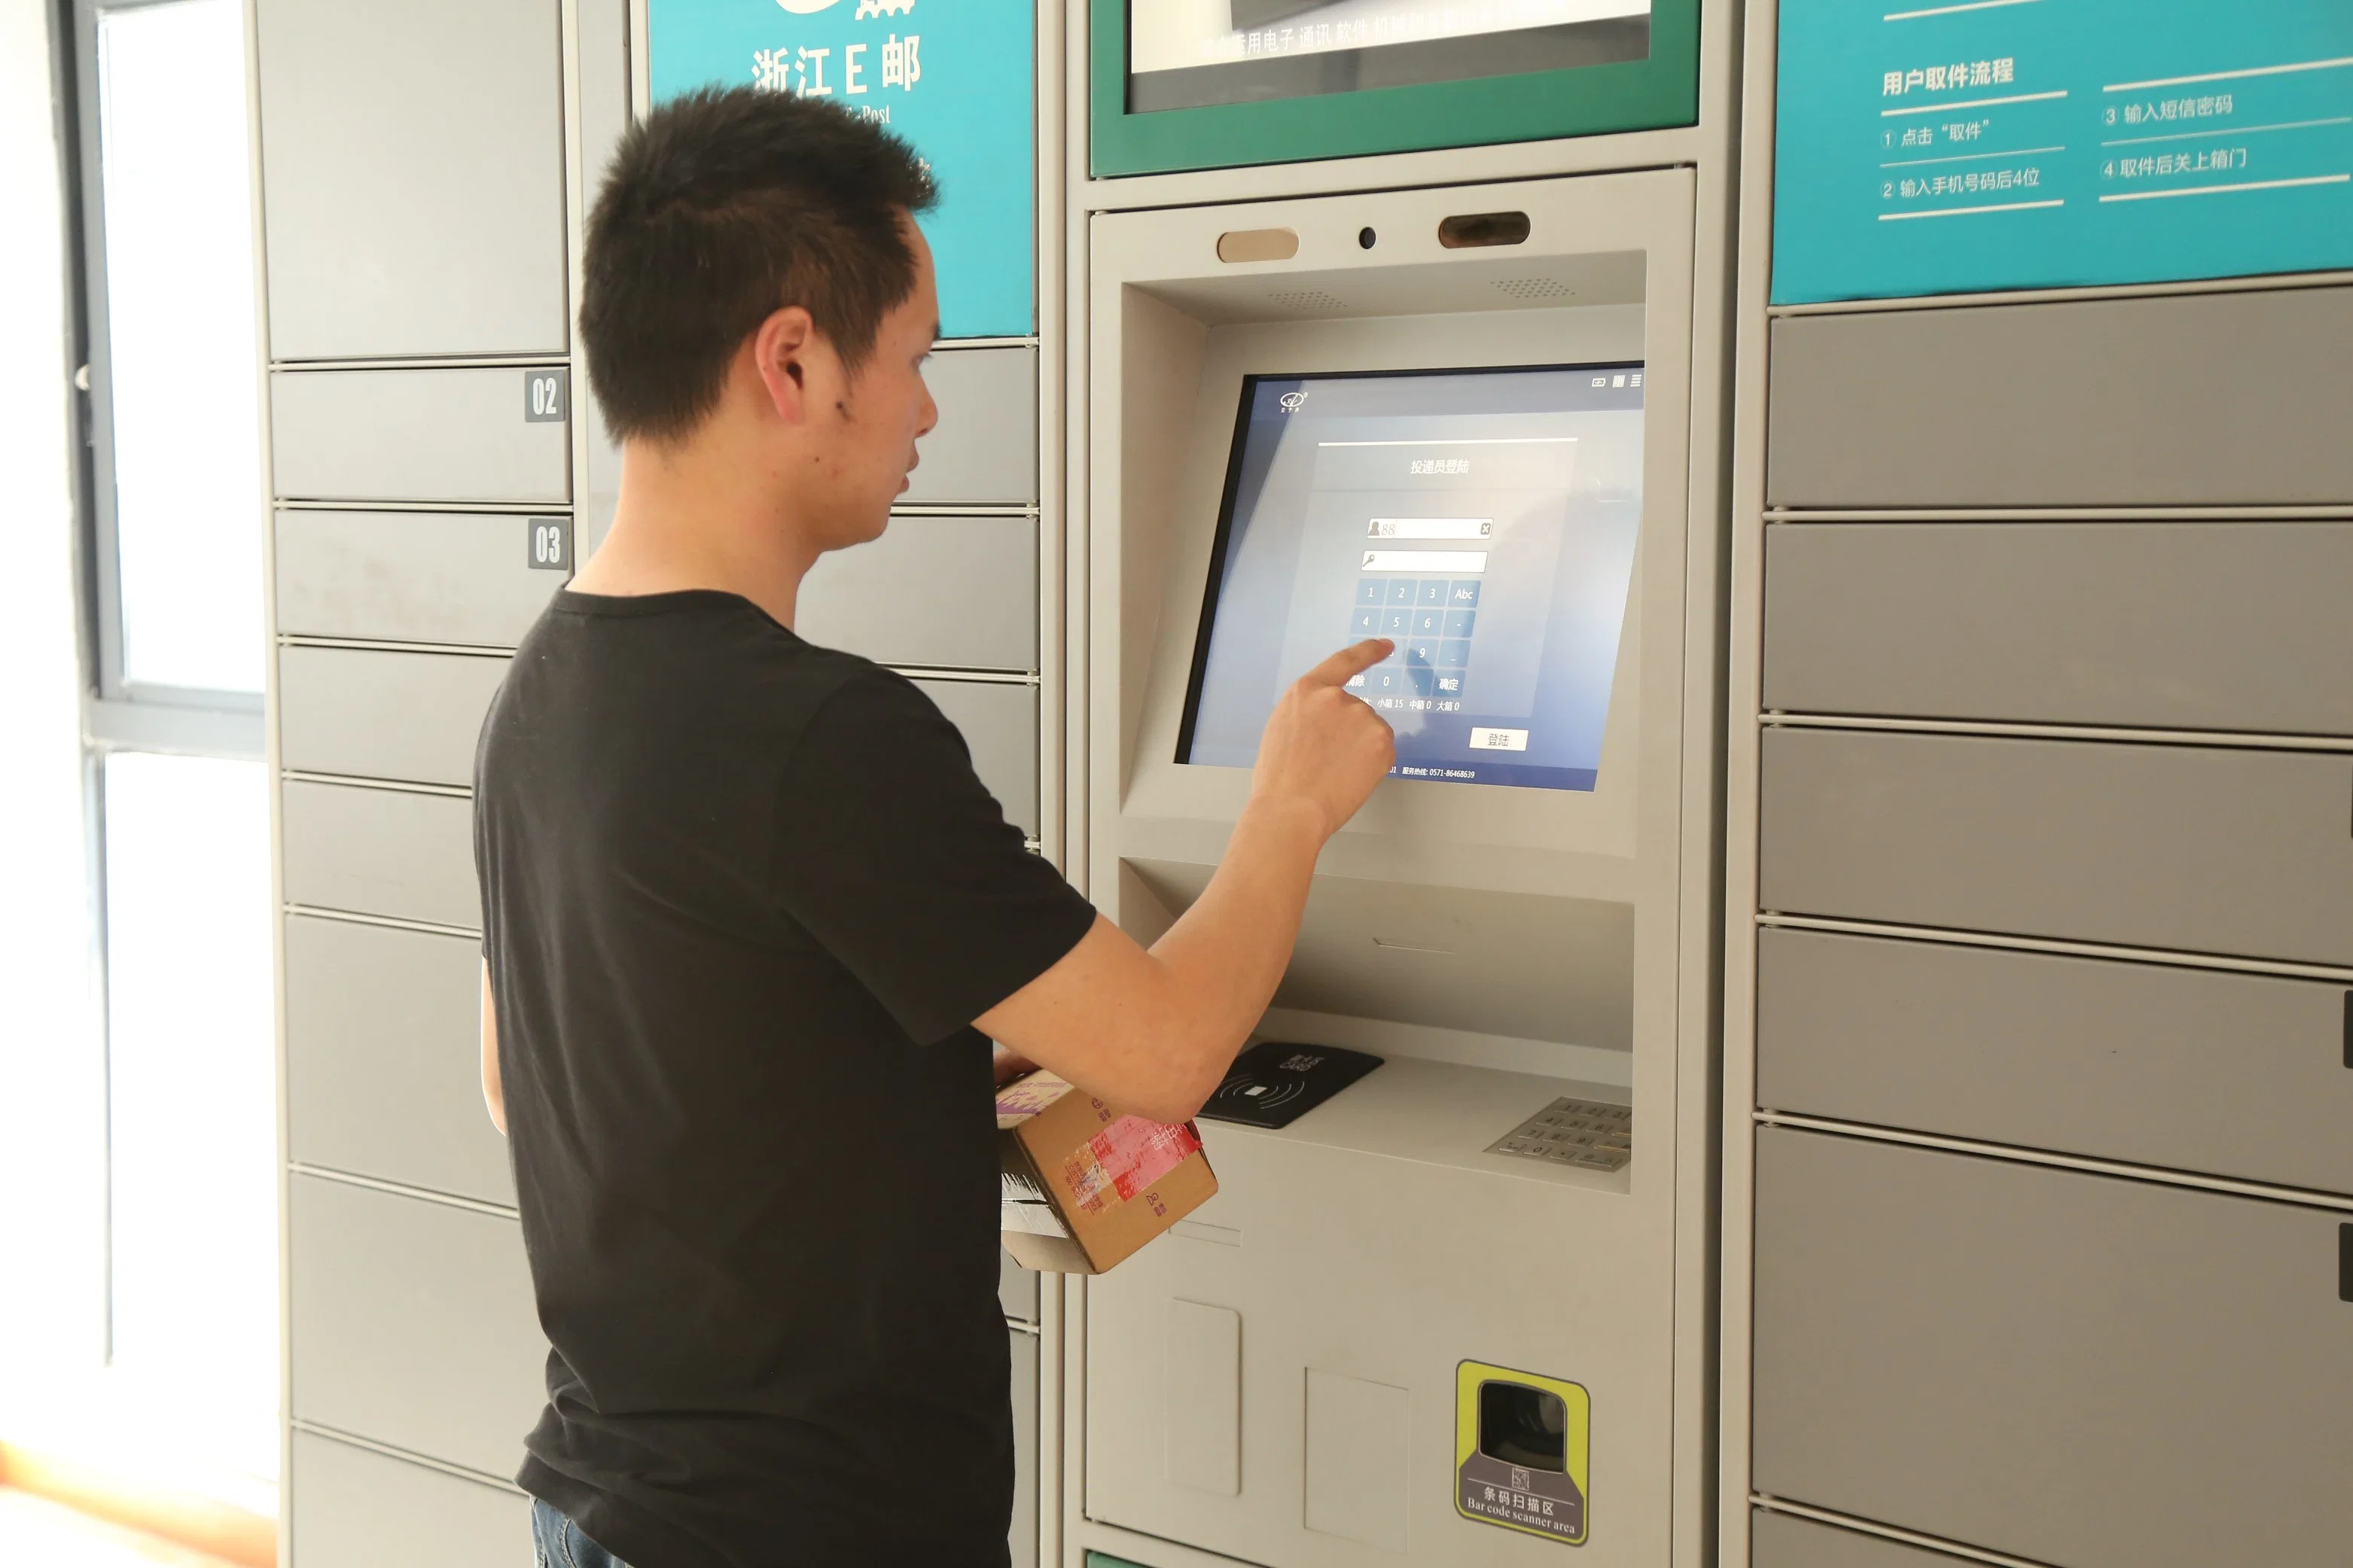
point(780, 351)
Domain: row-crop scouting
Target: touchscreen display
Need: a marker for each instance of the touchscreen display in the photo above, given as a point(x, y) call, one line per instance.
point(1189, 54)
point(1483, 520)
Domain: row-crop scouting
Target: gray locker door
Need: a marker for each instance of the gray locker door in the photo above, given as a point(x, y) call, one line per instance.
point(2070, 1368)
point(1000, 725)
point(984, 451)
point(2192, 626)
point(957, 592)
point(1786, 1541)
point(352, 1508)
point(2232, 1075)
point(413, 1324)
point(2168, 846)
point(380, 852)
point(413, 176)
point(412, 576)
point(1023, 1538)
point(2151, 402)
point(415, 435)
point(1017, 1289)
point(383, 1058)
point(384, 714)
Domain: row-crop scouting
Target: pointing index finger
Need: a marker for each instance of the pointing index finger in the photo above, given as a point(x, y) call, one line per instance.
point(1350, 662)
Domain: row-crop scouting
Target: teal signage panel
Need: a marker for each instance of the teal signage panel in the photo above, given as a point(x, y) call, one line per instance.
point(1929, 147)
point(954, 77)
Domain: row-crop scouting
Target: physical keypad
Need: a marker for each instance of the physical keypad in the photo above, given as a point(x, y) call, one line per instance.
point(1431, 620)
point(1590, 1134)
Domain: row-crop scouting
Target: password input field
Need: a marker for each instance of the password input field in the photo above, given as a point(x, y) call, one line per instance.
point(1455, 562)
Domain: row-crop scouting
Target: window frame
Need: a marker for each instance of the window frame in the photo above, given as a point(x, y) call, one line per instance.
point(118, 714)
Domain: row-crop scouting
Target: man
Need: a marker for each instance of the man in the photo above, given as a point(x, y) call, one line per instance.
point(750, 921)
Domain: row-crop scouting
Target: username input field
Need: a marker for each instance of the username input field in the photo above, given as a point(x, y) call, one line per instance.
point(1429, 563)
point(1430, 528)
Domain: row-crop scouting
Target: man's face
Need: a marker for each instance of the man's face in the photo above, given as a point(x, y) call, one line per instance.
point(885, 409)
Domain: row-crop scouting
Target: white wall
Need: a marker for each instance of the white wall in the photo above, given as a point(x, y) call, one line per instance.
point(51, 1085)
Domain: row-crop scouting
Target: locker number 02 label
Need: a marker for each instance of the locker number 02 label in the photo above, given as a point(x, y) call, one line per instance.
point(551, 543)
point(545, 396)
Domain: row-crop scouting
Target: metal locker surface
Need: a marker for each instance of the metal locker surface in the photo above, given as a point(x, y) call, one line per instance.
point(412, 177)
point(383, 713)
point(380, 852)
point(1786, 1541)
point(2187, 847)
point(2068, 1368)
point(956, 592)
point(1017, 1289)
point(412, 1322)
point(351, 1508)
point(413, 576)
point(1023, 1537)
point(2192, 626)
point(2196, 1069)
point(2148, 402)
point(423, 435)
point(383, 1058)
point(984, 451)
point(999, 723)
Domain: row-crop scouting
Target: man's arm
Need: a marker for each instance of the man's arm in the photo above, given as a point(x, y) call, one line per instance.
point(1154, 1031)
point(493, 1095)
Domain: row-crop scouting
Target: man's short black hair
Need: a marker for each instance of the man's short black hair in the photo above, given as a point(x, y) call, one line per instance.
point(721, 207)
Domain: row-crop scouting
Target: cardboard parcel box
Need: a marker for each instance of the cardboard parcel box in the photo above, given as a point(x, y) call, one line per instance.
point(1085, 1187)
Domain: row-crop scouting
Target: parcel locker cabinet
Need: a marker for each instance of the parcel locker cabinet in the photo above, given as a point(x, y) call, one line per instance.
point(412, 168)
point(954, 593)
point(999, 723)
point(2184, 400)
point(384, 714)
point(1022, 1539)
point(386, 852)
point(352, 1508)
point(487, 433)
point(1787, 1541)
point(2186, 848)
point(1017, 1289)
point(2199, 1069)
point(2192, 626)
point(418, 576)
point(2068, 1368)
point(983, 450)
point(383, 1058)
point(414, 1325)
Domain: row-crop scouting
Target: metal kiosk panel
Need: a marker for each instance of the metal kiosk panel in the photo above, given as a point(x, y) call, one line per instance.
point(392, 852)
point(2062, 1367)
point(384, 714)
point(354, 1508)
point(474, 579)
point(383, 1057)
point(414, 1322)
point(1501, 948)
point(413, 172)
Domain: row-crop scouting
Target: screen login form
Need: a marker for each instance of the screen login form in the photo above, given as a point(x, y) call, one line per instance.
point(1485, 522)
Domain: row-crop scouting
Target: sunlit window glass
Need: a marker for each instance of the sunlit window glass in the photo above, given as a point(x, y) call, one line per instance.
point(179, 328)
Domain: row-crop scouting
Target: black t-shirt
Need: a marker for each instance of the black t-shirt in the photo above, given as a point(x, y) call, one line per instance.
point(741, 899)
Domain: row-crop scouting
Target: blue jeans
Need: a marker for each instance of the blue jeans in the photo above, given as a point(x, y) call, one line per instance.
point(558, 1543)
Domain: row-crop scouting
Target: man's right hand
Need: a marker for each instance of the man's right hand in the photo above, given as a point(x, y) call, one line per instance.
point(1323, 746)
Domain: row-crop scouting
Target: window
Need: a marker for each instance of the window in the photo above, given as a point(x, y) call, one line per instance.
point(175, 798)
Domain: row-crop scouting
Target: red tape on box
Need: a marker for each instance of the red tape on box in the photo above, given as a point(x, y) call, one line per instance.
point(1124, 1159)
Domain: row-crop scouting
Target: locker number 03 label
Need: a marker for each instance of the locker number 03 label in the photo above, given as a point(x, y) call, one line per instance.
point(545, 393)
point(551, 543)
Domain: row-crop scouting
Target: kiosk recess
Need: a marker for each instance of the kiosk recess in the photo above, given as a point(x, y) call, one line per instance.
point(1439, 1316)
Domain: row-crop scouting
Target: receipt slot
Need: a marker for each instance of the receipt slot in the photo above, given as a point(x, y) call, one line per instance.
point(1480, 451)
